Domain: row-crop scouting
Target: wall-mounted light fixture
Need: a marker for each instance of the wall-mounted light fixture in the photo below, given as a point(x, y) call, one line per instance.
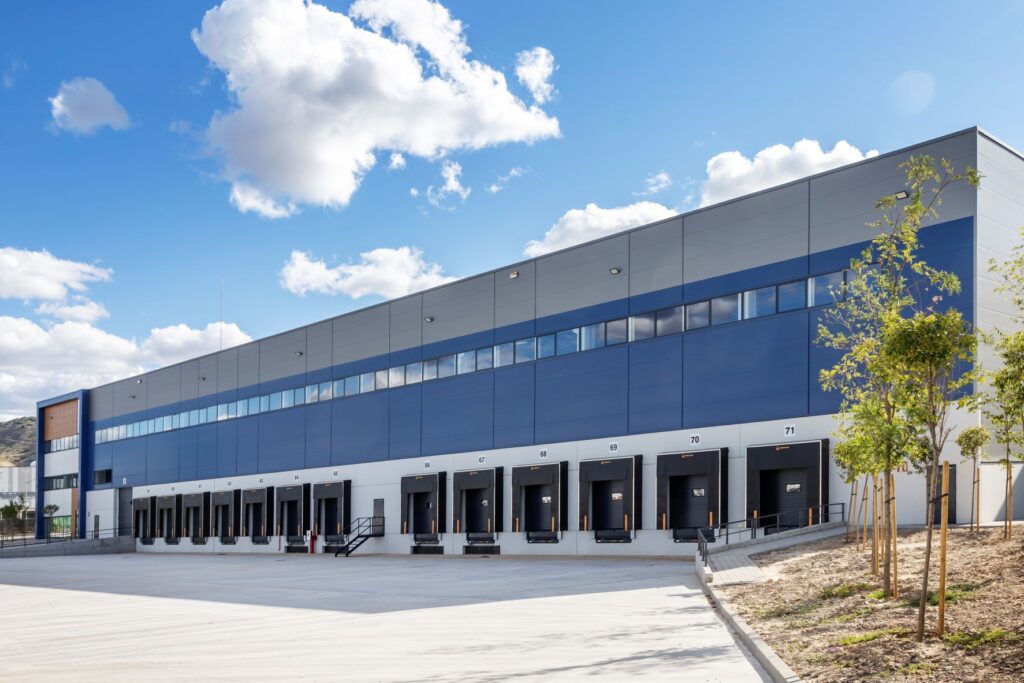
point(298, 353)
point(138, 381)
point(428, 319)
point(615, 270)
point(202, 379)
point(513, 275)
point(132, 396)
point(902, 194)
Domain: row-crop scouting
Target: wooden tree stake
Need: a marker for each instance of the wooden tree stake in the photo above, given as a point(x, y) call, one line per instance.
point(895, 533)
point(942, 548)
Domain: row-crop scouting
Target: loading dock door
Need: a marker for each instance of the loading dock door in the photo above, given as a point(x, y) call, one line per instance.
point(540, 499)
point(293, 512)
point(610, 498)
point(688, 504)
point(477, 496)
point(784, 480)
point(332, 509)
point(143, 516)
point(692, 492)
point(258, 514)
point(423, 504)
point(167, 517)
point(196, 515)
point(227, 506)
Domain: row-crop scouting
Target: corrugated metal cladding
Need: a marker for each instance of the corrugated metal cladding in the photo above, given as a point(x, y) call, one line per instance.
point(60, 420)
point(747, 371)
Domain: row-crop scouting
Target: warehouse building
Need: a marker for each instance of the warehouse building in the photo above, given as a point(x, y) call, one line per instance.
point(610, 398)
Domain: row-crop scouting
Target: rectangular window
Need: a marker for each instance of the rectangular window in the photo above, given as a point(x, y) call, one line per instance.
point(312, 393)
point(182, 419)
point(202, 417)
point(222, 412)
point(446, 366)
point(429, 369)
point(698, 315)
point(352, 385)
point(567, 341)
point(591, 337)
point(233, 410)
point(484, 358)
point(669, 321)
point(725, 309)
point(265, 403)
point(792, 296)
point(254, 405)
point(758, 302)
point(159, 427)
point(546, 346)
point(287, 398)
point(275, 400)
point(504, 354)
point(243, 407)
point(122, 432)
point(102, 476)
point(381, 379)
point(339, 387)
point(526, 350)
point(465, 362)
point(175, 424)
point(616, 331)
point(366, 382)
point(825, 289)
point(211, 414)
point(325, 391)
point(396, 376)
point(414, 373)
point(641, 327)
point(300, 395)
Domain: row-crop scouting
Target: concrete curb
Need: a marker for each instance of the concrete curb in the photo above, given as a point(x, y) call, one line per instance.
point(763, 540)
point(773, 665)
point(85, 546)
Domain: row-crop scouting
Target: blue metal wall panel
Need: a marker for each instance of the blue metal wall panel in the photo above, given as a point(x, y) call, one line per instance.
point(247, 452)
point(129, 460)
point(188, 455)
point(404, 421)
point(458, 414)
point(318, 435)
point(206, 436)
point(583, 316)
point(652, 301)
point(656, 385)
point(513, 406)
point(745, 372)
point(359, 430)
point(103, 456)
point(582, 396)
point(751, 278)
point(227, 448)
point(282, 440)
point(162, 458)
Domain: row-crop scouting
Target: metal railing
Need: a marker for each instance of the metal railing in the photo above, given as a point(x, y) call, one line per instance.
point(776, 522)
point(93, 534)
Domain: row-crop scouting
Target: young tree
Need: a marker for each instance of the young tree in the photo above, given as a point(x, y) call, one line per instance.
point(936, 351)
point(888, 280)
point(1005, 409)
point(971, 441)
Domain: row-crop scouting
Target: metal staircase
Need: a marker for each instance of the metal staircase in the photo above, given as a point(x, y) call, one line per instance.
point(357, 533)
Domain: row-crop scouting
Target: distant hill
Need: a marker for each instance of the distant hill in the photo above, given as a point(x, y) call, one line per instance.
point(18, 442)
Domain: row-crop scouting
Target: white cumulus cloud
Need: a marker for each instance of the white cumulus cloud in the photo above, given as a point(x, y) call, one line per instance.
point(315, 93)
point(175, 343)
point(499, 185)
point(589, 223)
point(731, 174)
point(534, 69)
point(248, 199)
point(397, 162)
point(26, 274)
point(451, 172)
point(383, 272)
point(655, 183)
point(84, 105)
point(78, 309)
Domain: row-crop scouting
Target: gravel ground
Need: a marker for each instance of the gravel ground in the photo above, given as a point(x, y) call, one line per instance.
point(823, 614)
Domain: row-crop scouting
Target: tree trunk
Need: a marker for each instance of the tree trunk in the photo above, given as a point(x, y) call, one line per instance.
point(1008, 525)
point(974, 486)
point(933, 472)
point(886, 533)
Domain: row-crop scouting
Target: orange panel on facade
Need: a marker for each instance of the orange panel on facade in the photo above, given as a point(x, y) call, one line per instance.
point(60, 420)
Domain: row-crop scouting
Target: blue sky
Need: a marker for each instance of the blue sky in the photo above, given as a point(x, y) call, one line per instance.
point(141, 201)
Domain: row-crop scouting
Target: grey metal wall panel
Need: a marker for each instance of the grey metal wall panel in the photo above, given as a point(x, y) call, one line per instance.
point(756, 231)
point(656, 257)
point(319, 346)
point(406, 322)
point(515, 299)
point(460, 308)
point(189, 380)
point(283, 355)
point(163, 386)
point(207, 375)
point(129, 396)
point(101, 403)
point(249, 364)
point(1000, 218)
point(843, 202)
point(361, 334)
point(227, 370)
point(580, 277)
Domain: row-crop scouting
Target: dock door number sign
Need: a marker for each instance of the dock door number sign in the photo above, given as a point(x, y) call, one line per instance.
point(694, 439)
point(789, 430)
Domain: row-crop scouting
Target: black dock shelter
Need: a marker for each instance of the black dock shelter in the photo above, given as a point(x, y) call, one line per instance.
point(332, 509)
point(423, 506)
point(292, 514)
point(540, 501)
point(226, 520)
point(786, 482)
point(144, 518)
point(258, 514)
point(477, 509)
point(168, 512)
point(611, 491)
point(195, 519)
point(692, 492)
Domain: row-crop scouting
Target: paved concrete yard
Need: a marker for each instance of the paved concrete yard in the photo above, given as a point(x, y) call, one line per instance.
point(118, 617)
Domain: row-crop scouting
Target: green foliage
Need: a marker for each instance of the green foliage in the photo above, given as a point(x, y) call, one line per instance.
point(1012, 278)
point(970, 640)
point(13, 509)
point(971, 441)
point(867, 637)
point(876, 595)
point(50, 510)
point(843, 590)
point(1004, 405)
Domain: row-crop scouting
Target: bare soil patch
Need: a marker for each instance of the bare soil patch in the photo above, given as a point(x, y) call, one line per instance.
point(823, 613)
